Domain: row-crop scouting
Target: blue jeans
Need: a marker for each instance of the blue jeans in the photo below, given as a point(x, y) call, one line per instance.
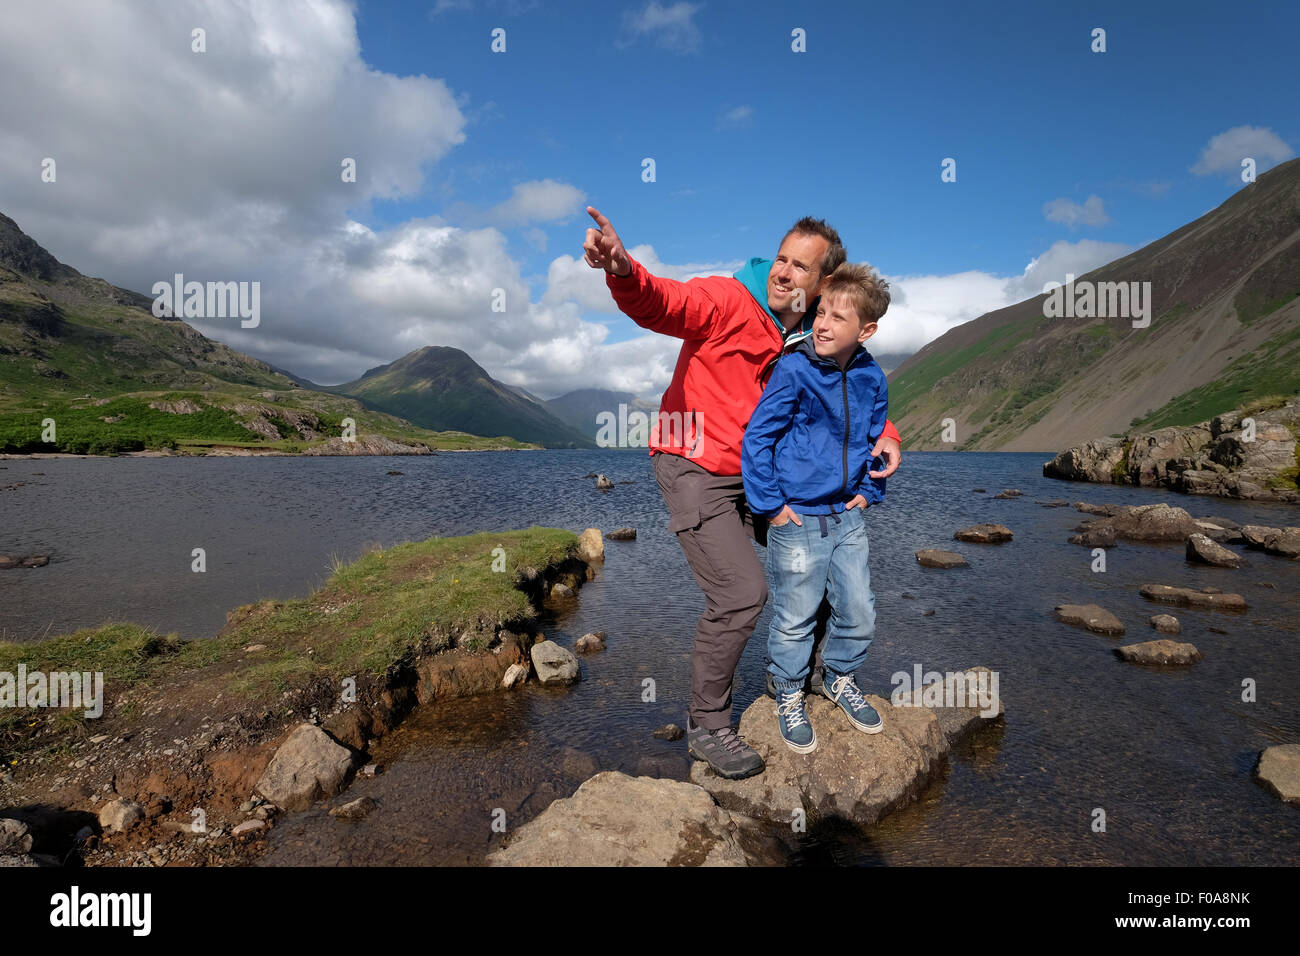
point(826, 555)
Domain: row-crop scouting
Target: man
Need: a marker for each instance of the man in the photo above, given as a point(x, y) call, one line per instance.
point(734, 329)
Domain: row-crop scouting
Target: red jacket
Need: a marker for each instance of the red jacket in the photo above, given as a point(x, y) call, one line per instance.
point(730, 343)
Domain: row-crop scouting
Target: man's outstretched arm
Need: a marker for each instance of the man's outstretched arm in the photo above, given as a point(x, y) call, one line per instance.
point(683, 310)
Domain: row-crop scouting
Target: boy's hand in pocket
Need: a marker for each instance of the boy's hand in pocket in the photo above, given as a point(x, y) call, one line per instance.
point(857, 501)
point(787, 514)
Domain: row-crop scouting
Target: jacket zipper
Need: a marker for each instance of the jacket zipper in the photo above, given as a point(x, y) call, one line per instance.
point(844, 385)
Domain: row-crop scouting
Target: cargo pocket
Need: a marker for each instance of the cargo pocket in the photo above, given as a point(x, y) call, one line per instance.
point(684, 520)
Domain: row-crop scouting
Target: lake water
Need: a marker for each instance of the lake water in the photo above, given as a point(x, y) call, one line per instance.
point(1168, 754)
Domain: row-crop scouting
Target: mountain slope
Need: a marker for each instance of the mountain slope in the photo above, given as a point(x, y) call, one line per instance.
point(113, 377)
point(1225, 330)
point(581, 409)
point(443, 388)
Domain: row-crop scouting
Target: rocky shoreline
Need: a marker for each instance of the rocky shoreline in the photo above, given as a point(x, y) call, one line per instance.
point(1247, 453)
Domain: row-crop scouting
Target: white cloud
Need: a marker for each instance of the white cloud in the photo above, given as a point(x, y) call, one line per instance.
point(1091, 213)
point(671, 27)
point(538, 201)
point(570, 279)
point(1225, 151)
point(924, 307)
point(738, 116)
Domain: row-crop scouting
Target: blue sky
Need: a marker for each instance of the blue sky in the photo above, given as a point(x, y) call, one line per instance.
point(474, 166)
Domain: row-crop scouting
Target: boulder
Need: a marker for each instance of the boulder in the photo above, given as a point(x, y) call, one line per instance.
point(1279, 770)
point(1201, 549)
point(603, 483)
point(622, 534)
point(1163, 651)
point(851, 775)
point(669, 732)
point(120, 815)
point(934, 558)
point(1166, 624)
point(554, 664)
point(1094, 618)
point(617, 820)
point(1156, 522)
point(984, 534)
point(562, 590)
point(515, 674)
point(309, 765)
point(1189, 597)
point(591, 546)
point(590, 643)
point(1099, 537)
point(15, 837)
point(1008, 493)
point(1282, 542)
point(355, 810)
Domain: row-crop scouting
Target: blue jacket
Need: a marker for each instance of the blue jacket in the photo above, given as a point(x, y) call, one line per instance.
point(808, 443)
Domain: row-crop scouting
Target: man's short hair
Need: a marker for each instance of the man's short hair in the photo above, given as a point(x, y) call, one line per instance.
point(835, 255)
point(866, 291)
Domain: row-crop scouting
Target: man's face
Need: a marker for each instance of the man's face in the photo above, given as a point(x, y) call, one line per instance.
point(837, 330)
point(797, 267)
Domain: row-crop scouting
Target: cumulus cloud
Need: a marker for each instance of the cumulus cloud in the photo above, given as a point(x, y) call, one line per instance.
point(672, 27)
point(570, 279)
point(924, 307)
point(538, 201)
point(1225, 151)
point(1091, 213)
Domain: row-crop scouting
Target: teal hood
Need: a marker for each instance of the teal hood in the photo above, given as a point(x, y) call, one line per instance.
point(753, 276)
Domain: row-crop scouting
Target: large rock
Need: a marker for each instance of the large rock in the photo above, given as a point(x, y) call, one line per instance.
point(622, 534)
point(984, 533)
point(1201, 549)
point(1283, 542)
point(935, 558)
point(1166, 624)
point(591, 546)
point(1163, 651)
point(1279, 770)
point(617, 820)
point(851, 775)
point(1094, 618)
point(308, 766)
point(1189, 597)
point(119, 815)
point(1156, 522)
point(1100, 537)
point(554, 664)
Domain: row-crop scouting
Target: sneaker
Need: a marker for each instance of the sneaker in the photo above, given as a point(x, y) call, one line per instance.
point(843, 691)
point(797, 733)
point(724, 751)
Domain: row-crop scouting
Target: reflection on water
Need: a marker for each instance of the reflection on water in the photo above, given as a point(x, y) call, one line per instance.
point(1167, 754)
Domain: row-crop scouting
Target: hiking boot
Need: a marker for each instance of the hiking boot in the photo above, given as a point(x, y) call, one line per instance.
point(796, 731)
point(844, 692)
point(724, 751)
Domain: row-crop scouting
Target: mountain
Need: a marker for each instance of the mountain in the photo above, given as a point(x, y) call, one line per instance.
point(581, 409)
point(113, 377)
point(1224, 331)
point(443, 388)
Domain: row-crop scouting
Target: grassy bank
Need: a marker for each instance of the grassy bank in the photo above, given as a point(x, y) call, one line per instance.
point(384, 609)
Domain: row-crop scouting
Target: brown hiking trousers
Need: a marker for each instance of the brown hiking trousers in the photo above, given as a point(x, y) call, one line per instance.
point(714, 526)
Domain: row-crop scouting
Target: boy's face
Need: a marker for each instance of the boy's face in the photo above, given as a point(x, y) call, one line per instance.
point(837, 331)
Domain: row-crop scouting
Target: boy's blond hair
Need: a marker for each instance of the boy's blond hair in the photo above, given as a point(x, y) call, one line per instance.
point(866, 291)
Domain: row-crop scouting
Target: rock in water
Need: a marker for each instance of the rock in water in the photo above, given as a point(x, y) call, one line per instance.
point(1166, 624)
point(603, 483)
point(591, 546)
point(355, 810)
point(617, 820)
point(622, 534)
point(1187, 597)
point(1163, 651)
point(1094, 618)
point(670, 732)
point(935, 558)
point(590, 643)
point(984, 534)
point(1201, 549)
point(554, 664)
point(1279, 770)
point(515, 674)
point(309, 765)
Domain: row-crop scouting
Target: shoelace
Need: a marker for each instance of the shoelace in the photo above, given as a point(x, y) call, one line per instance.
point(845, 686)
point(791, 708)
point(729, 740)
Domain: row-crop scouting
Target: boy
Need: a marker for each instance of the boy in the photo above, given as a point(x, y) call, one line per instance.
point(804, 461)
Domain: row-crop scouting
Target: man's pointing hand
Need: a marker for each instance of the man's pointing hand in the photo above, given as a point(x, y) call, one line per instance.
point(603, 248)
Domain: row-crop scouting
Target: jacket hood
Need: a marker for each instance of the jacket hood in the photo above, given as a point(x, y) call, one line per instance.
point(753, 276)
